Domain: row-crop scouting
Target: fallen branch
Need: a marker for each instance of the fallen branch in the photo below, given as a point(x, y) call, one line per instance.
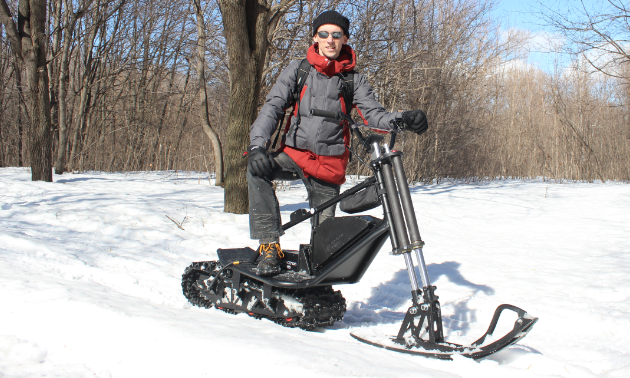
point(179, 225)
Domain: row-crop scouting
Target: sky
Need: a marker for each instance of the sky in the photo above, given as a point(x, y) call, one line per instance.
point(524, 14)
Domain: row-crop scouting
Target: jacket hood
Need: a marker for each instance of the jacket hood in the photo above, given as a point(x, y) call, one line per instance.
point(345, 62)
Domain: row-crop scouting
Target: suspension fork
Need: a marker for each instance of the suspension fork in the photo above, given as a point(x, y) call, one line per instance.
point(406, 241)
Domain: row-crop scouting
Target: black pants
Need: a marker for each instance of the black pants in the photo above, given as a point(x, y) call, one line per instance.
point(264, 211)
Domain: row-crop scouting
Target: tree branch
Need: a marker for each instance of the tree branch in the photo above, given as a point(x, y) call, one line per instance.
point(277, 11)
point(12, 32)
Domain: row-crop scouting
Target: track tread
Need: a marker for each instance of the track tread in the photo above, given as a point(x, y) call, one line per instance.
point(322, 306)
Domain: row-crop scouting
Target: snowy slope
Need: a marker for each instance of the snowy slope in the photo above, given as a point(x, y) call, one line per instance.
point(90, 272)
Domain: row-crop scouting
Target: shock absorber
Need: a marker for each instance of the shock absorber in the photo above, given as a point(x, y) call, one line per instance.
point(410, 217)
point(397, 223)
point(429, 309)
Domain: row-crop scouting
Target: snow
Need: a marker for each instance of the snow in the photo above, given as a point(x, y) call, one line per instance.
point(90, 275)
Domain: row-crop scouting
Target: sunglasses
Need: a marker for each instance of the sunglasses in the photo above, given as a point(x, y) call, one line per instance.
point(324, 34)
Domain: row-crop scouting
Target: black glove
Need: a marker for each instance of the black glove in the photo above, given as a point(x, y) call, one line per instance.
point(416, 121)
point(259, 163)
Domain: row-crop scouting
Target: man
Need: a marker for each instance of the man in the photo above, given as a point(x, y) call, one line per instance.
point(313, 148)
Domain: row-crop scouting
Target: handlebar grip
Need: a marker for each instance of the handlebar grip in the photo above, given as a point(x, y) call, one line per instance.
point(325, 114)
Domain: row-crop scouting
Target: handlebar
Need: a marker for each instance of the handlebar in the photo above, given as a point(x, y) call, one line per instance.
point(353, 126)
point(327, 114)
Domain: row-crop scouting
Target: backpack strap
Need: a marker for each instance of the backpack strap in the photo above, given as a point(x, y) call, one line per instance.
point(303, 70)
point(302, 74)
point(347, 89)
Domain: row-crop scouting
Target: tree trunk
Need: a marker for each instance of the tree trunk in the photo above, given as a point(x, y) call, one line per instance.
point(20, 126)
point(70, 22)
point(32, 26)
point(22, 112)
point(76, 140)
point(86, 84)
point(28, 42)
point(2, 85)
point(245, 24)
point(203, 94)
point(53, 74)
point(1, 116)
point(64, 63)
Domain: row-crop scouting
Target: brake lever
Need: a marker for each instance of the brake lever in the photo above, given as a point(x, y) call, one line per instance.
point(397, 128)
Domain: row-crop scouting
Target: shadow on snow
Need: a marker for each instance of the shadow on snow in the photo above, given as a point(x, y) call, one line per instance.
point(385, 302)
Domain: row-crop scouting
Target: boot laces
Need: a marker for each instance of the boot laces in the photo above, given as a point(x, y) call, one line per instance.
point(268, 250)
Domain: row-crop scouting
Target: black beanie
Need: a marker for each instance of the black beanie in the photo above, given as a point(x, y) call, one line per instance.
point(332, 17)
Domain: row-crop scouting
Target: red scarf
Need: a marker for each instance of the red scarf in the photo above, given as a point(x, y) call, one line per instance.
point(345, 61)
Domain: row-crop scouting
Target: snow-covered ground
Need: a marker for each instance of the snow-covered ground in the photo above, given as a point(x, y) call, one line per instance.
point(90, 273)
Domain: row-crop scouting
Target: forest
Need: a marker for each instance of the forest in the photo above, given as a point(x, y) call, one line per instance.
point(144, 85)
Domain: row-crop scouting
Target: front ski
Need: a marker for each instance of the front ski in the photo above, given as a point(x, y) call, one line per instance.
point(481, 348)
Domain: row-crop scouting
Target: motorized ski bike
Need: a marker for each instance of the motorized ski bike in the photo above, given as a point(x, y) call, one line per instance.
point(340, 251)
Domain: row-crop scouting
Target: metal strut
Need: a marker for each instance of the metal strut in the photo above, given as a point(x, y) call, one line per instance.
point(425, 314)
point(399, 230)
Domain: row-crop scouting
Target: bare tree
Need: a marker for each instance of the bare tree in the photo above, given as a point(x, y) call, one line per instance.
point(28, 41)
point(245, 25)
point(69, 24)
point(598, 32)
point(203, 93)
point(4, 67)
point(21, 113)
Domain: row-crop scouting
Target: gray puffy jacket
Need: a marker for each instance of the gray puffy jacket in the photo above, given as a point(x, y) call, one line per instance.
point(316, 134)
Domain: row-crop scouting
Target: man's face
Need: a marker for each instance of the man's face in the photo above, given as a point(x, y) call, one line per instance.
point(329, 46)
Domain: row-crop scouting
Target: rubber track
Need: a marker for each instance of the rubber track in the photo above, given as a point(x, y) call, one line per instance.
point(322, 306)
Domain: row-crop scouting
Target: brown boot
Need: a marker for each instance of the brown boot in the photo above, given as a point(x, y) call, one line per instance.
point(270, 263)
